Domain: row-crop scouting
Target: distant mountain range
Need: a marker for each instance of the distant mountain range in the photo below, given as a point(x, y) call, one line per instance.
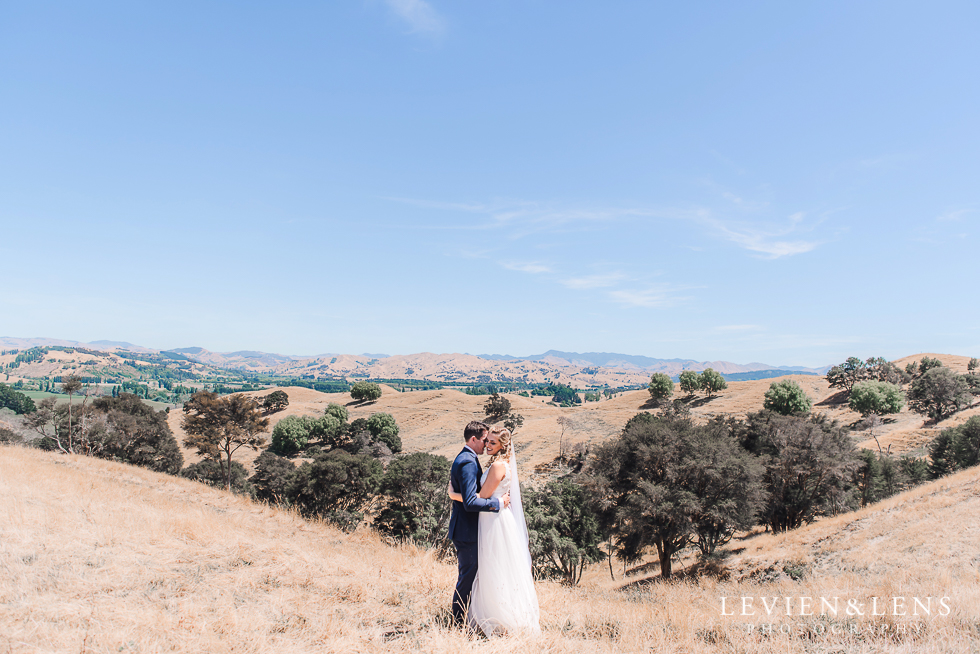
point(615, 360)
point(553, 366)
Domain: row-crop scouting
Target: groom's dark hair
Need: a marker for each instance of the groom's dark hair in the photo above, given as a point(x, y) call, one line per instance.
point(475, 428)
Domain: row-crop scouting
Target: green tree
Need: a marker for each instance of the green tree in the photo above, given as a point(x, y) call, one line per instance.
point(16, 402)
point(384, 429)
point(218, 426)
point(808, 464)
point(661, 387)
point(363, 391)
point(868, 477)
point(330, 430)
point(876, 398)
point(942, 454)
point(563, 530)
point(657, 488)
point(966, 446)
point(727, 486)
point(972, 365)
point(846, 374)
point(513, 421)
point(914, 469)
point(786, 397)
point(291, 434)
point(336, 486)
point(565, 395)
point(496, 407)
point(939, 393)
point(927, 364)
point(712, 381)
point(879, 369)
point(126, 429)
point(275, 401)
point(271, 478)
point(415, 505)
point(690, 382)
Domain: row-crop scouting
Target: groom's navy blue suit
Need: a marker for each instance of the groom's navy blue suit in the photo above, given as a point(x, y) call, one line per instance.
point(464, 525)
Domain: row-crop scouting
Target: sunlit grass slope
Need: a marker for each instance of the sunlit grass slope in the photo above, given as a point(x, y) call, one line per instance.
point(100, 557)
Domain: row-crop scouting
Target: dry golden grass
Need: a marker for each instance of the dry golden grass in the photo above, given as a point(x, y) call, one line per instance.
point(100, 557)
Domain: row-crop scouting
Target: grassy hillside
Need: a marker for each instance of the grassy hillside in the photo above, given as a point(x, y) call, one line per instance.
point(99, 557)
point(433, 421)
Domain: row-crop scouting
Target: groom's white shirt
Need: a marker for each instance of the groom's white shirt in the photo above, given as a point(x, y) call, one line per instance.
point(467, 447)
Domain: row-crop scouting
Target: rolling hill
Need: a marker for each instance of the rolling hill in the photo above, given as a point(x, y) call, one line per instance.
point(433, 420)
point(588, 370)
point(102, 557)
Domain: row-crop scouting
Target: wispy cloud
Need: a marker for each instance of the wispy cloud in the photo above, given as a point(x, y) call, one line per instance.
point(594, 281)
point(419, 16)
point(654, 297)
point(737, 328)
point(957, 214)
point(531, 267)
point(520, 218)
point(766, 241)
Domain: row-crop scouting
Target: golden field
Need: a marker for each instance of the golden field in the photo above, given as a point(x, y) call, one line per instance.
point(105, 557)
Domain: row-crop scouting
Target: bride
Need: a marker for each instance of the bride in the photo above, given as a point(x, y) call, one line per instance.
point(503, 598)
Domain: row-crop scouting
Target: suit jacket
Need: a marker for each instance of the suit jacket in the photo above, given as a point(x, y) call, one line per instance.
point(465, 475)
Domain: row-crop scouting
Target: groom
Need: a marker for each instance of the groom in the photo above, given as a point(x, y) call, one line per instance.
point(464, 524)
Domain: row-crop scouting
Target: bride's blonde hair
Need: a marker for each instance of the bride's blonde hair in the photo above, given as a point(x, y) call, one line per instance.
point(503, 437)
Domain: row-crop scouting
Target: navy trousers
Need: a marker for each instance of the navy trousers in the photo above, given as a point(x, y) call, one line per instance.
point(468, 555)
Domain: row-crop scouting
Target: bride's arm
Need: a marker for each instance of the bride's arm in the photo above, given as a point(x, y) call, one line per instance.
point(497, 472)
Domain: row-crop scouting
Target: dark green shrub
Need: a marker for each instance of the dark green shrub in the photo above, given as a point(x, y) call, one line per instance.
point(7, 436)
point(212, 473)
point(16, 402)
point(939, 392)
point(125, 428)
point(415, 505)
point(291, 434)
point(563, 529)
point(275, 401)
point(942, 457)
point(967, 444)
point(336, 486)
point(384, 429)
point(271, 478)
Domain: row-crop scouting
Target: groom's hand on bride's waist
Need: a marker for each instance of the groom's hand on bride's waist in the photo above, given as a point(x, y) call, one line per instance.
point(505, 500)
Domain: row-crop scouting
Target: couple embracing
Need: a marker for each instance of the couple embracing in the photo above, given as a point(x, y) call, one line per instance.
point(490, 534)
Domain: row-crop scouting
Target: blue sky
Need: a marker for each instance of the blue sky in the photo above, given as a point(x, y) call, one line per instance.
point(781, 182)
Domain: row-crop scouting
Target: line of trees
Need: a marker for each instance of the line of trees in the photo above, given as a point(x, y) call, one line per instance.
point(122, 428)
point(879, 387)
point(708, 380)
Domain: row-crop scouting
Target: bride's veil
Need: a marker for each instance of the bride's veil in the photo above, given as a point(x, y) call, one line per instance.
point(517, 505)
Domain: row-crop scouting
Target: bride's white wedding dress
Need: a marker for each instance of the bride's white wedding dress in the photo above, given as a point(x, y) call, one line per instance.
point(503, 598)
